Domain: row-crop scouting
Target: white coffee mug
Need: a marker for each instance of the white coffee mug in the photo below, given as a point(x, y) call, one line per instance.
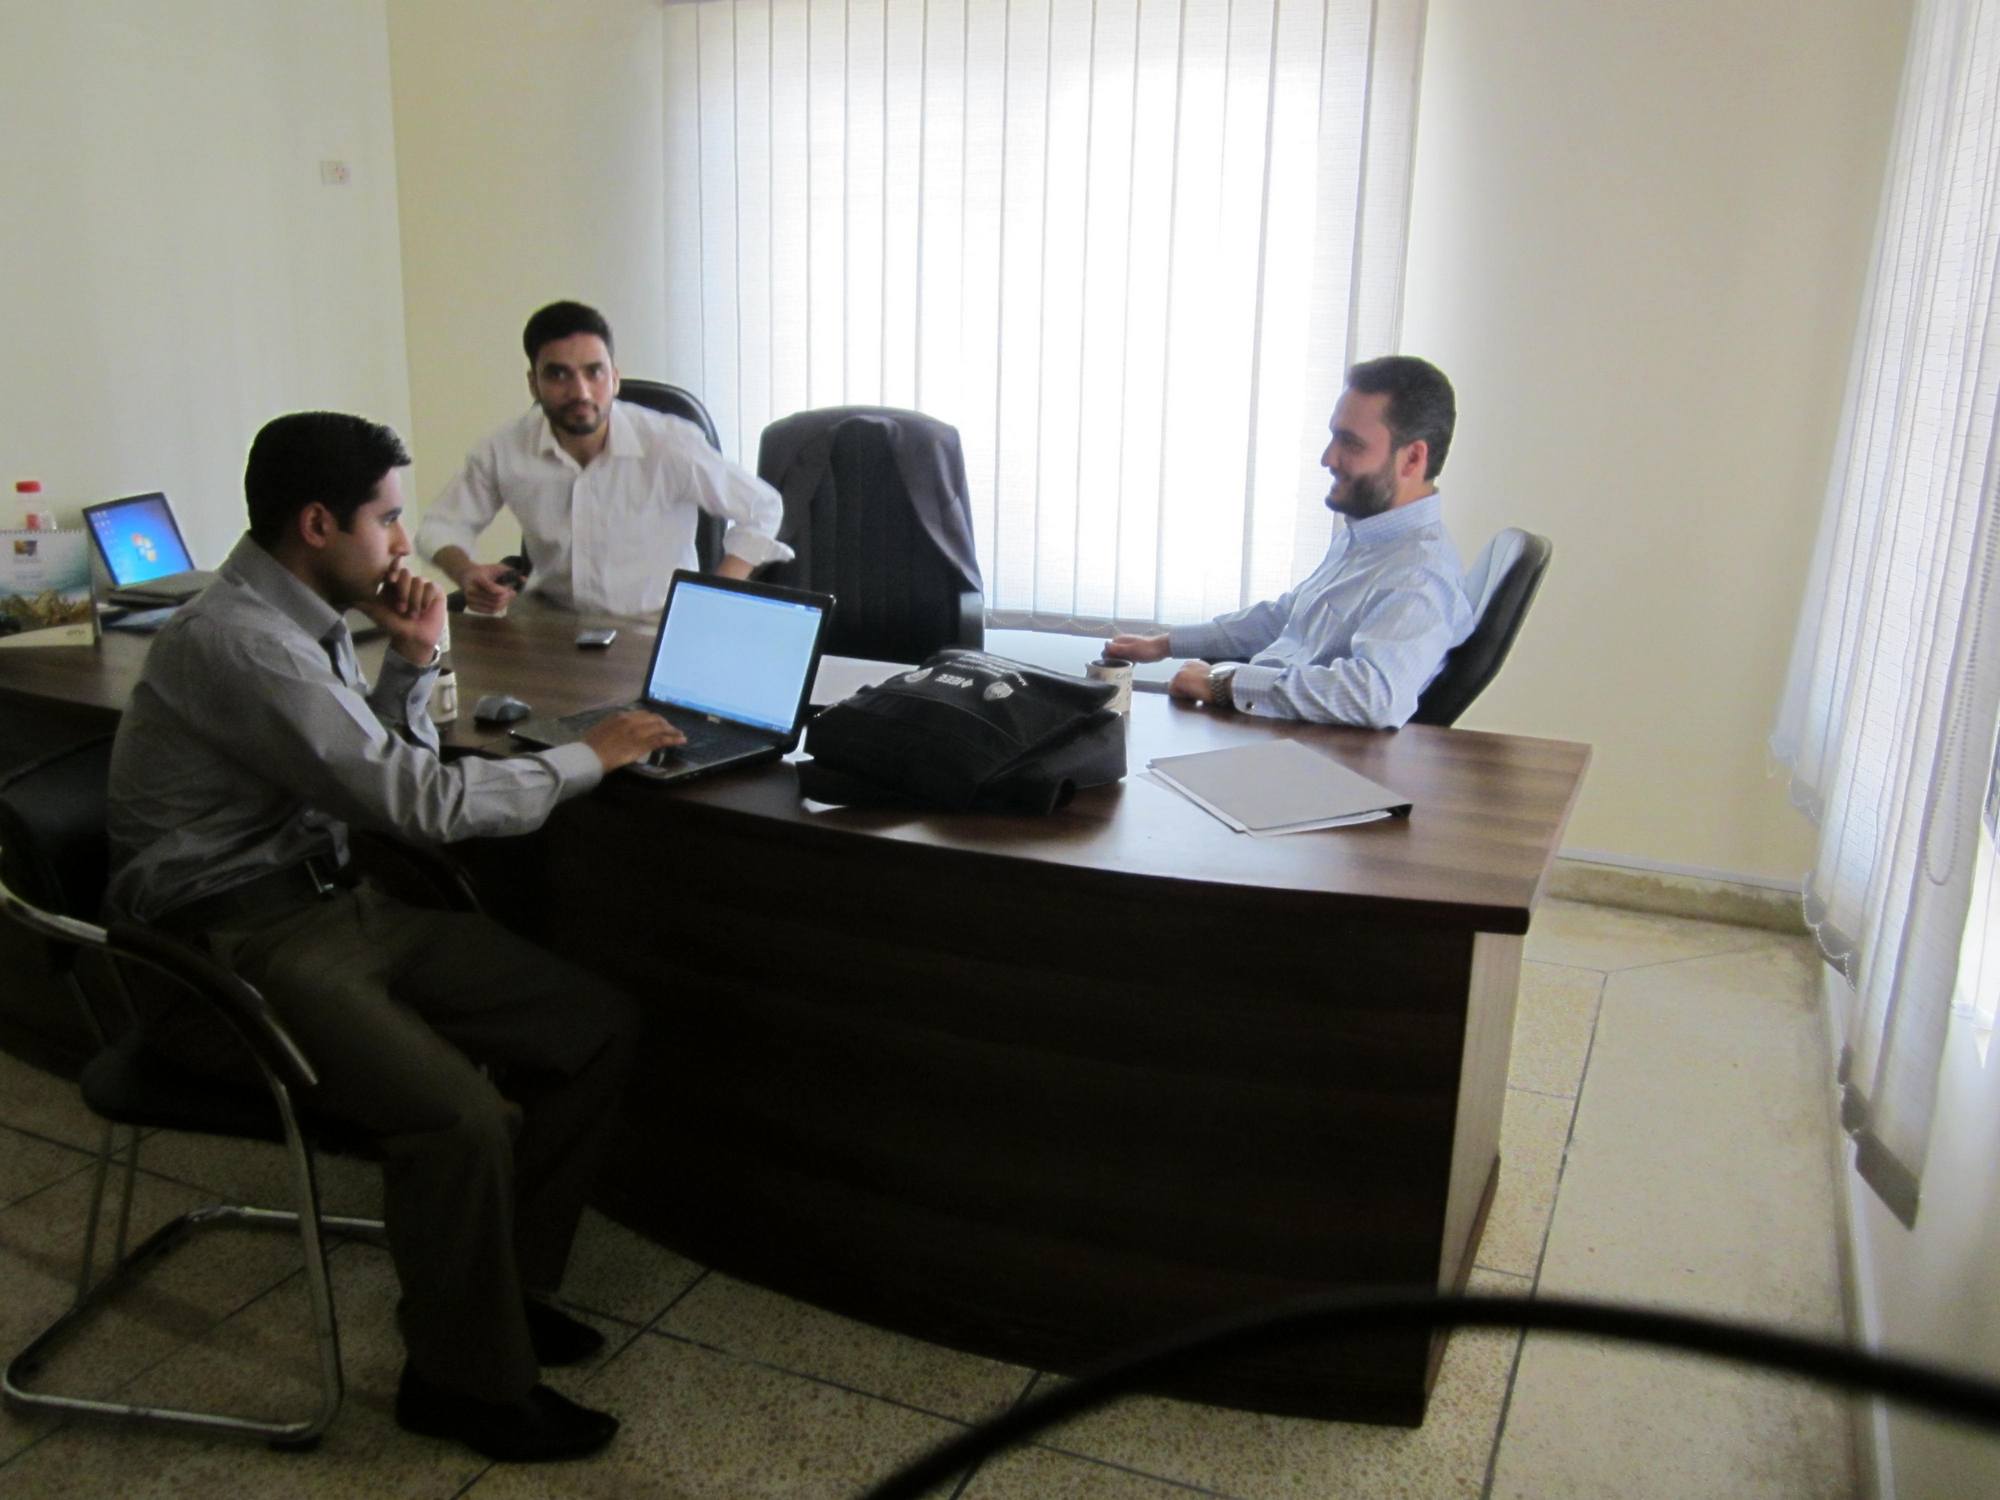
point(444, 698)
point(1118, 674)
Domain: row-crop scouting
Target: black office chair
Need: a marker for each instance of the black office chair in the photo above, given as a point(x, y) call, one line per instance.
point(1501, 585)
point(53, 860)
point(877, 512)
point(674, 401)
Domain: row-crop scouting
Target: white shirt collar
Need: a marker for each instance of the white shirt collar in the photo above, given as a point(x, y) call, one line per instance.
point(623, 442)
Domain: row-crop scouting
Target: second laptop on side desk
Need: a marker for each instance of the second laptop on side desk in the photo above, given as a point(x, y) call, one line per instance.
point(732, 667)
point(151, 567)
point(143, 550)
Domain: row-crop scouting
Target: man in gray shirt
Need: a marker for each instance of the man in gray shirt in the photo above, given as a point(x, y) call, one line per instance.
point(484, 1068)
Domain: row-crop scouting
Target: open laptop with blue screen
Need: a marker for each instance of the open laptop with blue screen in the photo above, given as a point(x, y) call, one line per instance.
point(732, 668)
point(143, 551)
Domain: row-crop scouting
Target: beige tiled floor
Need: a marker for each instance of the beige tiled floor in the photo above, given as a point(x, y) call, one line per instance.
point(1666, 1140)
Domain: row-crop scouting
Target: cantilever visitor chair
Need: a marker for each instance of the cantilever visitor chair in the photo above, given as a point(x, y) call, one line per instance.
point(53, 860)
point(1501, 584)
point(676, 401)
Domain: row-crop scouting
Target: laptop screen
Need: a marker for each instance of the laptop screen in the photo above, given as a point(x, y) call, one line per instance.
point(740, 656)
point(138, 539)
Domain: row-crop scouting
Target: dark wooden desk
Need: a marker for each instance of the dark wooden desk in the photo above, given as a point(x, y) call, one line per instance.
point(1041, 1087)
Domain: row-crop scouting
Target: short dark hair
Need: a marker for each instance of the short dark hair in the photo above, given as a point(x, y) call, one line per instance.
point(307, 456)
point(1421, 402)
point(561, 320)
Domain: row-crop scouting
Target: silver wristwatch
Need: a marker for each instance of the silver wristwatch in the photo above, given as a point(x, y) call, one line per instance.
point(1222, 687)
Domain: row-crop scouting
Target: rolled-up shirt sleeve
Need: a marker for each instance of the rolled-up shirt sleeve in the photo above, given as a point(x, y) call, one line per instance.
point(466, 508)
point(325, 742)
point(751, 507)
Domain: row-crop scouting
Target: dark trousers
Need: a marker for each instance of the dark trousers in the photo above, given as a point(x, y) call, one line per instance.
point(399, 1008)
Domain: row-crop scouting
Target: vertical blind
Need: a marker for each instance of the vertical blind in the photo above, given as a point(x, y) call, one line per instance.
point(1890, 710)
point(1126, 247)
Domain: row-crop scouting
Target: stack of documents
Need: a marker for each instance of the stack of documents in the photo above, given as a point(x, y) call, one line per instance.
point(1279, 786)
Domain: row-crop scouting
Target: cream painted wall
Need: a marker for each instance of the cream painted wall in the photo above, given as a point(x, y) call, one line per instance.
point(1639, 236)
point(175, 273)
point(529, 151)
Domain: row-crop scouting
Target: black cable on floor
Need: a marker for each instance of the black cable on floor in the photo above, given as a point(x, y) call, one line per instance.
point(1943, 1392)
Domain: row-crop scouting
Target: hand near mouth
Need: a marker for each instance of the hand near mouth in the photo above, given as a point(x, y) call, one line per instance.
point(410, 610)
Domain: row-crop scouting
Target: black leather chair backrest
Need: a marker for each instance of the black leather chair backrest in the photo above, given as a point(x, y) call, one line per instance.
point(1502, 585)
point(858, 535)
point(52, 838)
point(54, 855)
point(674, 401)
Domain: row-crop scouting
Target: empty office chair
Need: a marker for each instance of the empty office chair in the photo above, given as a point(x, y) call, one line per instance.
point(53, 860)
point(1501, 585)
point(672, 400)
point(877, 512)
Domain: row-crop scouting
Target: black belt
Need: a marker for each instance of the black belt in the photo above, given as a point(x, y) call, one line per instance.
point(315, 879)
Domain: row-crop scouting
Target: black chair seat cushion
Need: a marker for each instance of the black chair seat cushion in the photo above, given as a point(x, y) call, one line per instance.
point(132, 1084)
point(129, 1083)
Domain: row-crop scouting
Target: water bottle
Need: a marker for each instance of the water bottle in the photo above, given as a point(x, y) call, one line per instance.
point(28, 492)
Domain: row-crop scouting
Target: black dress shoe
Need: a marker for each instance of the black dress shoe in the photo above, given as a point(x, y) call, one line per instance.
point(542, 1427)
point(558, 1338)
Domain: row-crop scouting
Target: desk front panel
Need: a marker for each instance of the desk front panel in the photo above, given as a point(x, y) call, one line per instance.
point(1028, 1110)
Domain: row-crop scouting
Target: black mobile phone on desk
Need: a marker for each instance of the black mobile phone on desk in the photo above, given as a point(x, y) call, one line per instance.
point(595, 639)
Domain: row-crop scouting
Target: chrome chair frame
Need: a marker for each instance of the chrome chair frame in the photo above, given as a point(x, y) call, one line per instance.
point(284, 1068)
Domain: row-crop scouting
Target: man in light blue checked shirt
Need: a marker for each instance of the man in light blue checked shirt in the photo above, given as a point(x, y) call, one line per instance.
point(1360, 639)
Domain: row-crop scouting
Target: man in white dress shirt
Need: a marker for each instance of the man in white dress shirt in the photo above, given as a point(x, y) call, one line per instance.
point(607, 493)
point(1358, 640)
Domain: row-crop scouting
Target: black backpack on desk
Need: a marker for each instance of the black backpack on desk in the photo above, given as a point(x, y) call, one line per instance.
point(967, 732)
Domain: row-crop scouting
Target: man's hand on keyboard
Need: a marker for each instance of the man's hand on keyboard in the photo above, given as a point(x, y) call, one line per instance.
point(624, 738)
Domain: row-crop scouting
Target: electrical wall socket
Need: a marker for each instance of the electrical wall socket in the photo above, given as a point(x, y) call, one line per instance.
point(334, 174)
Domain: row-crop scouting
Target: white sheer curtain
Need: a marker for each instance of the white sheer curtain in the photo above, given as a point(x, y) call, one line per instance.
point(1126, 247)
point(1889, 715)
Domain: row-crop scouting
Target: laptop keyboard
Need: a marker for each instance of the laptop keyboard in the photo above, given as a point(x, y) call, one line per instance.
point(590, 718)
point(701, 733)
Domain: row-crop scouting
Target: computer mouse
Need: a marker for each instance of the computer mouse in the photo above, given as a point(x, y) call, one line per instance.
point(500, 708)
